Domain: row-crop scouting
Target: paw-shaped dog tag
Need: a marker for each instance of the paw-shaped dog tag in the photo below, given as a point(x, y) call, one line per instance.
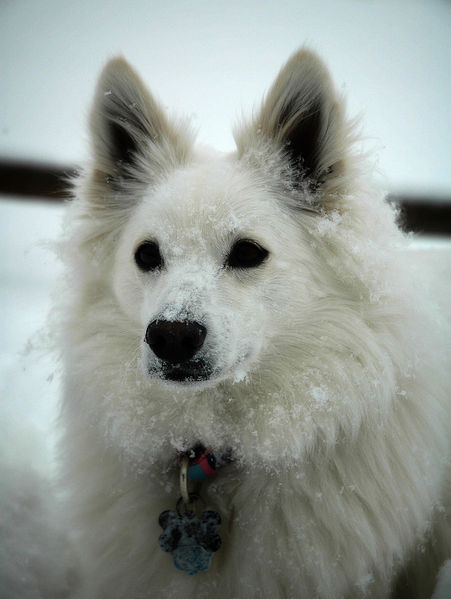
point(190, 540)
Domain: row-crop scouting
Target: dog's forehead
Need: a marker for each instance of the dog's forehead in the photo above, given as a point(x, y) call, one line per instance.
point(214, 195)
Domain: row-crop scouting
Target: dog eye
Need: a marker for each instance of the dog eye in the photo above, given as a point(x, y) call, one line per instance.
point(246, 254)
point(148, 256)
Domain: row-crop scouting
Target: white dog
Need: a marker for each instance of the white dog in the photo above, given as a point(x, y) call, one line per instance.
point(253, 320)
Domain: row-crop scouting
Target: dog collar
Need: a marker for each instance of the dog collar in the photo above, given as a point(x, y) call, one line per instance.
point(192, 539)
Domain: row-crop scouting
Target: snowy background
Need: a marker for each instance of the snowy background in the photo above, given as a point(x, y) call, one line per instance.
point(211, 60)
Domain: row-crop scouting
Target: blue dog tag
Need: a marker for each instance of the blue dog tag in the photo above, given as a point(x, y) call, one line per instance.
point(191, 559)
point(191, 540)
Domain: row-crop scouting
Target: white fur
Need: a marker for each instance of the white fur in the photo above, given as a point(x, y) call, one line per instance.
point(330, 360)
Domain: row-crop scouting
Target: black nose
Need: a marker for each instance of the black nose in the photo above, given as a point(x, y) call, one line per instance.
point(175, 341)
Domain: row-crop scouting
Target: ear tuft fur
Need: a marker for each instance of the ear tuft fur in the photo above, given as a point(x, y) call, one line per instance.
point(129, 129)
point(303, 118)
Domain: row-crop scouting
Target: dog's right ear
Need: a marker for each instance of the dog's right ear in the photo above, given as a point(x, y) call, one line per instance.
point(131, 136)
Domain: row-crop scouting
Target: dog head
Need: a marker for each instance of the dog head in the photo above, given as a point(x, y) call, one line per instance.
point(211, 256)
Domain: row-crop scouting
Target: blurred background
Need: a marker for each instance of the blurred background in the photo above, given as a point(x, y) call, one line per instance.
point(211, 60)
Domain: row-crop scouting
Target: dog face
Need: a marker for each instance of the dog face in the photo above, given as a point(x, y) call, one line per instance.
point(209, 244)
point(198, 264)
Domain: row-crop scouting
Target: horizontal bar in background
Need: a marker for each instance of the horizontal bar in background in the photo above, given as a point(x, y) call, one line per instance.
point(422, 215)
point(47, 181)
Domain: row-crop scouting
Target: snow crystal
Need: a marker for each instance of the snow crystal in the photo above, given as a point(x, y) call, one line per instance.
point(328, 224)
point(320, 396)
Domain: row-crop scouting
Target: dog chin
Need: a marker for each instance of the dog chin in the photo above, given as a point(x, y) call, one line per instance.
point(181, 377)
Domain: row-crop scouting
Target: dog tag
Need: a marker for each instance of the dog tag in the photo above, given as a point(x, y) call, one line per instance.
point(191, 540)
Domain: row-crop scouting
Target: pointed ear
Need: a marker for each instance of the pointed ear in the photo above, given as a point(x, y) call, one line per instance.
point(130, 132)
point(303, 118)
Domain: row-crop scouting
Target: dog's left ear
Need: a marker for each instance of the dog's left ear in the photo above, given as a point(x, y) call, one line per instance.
point(131, 135)
point(302, 117)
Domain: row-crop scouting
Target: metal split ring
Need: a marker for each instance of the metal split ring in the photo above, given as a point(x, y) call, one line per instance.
point(185, 505)
point(184, 492)
point(187, 510)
